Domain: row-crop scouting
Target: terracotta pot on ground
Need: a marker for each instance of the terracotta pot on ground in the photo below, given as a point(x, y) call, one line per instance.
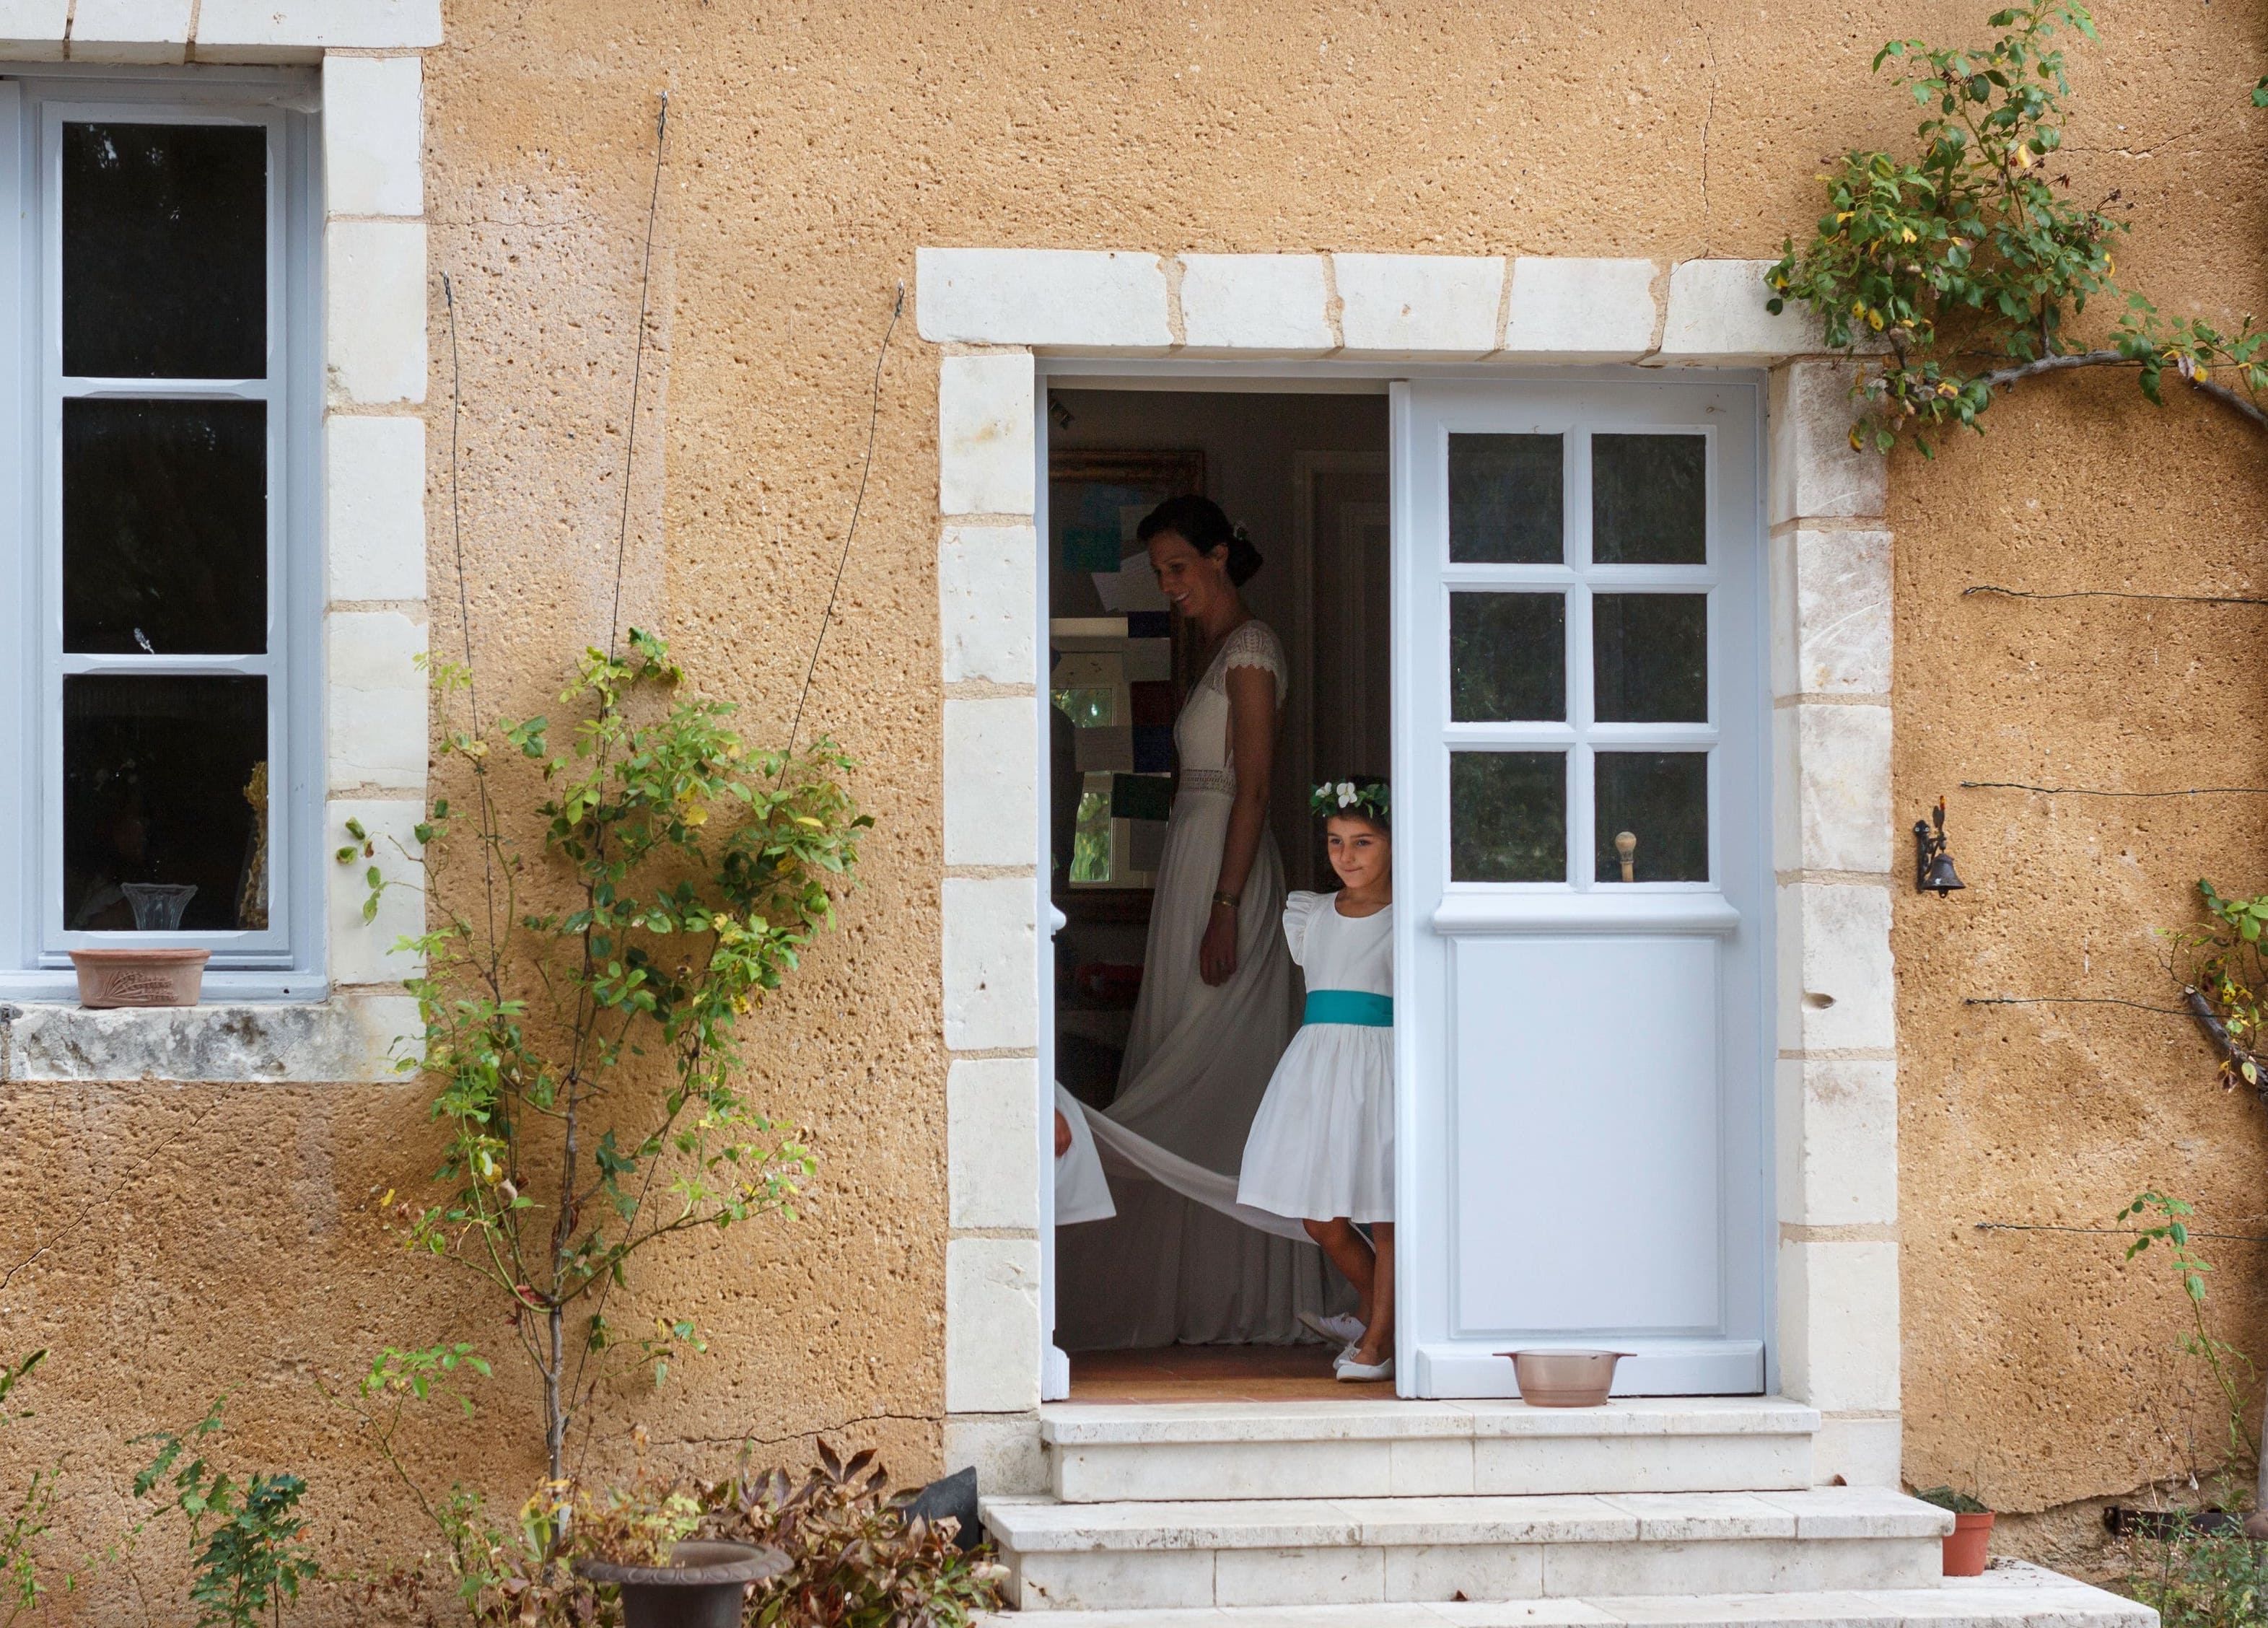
point(702, 1586)
point(140, 978)
point(1966, 1544)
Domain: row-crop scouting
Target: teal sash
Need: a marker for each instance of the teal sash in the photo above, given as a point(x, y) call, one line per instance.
point(1354, 1006)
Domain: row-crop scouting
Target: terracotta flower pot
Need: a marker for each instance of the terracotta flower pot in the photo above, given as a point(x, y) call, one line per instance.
point(702, 1586)
point(1966, 1544)
point(140, 978)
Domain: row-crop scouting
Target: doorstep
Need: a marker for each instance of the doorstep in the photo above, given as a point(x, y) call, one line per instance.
point(2012, 1594)
point(1105, 1452)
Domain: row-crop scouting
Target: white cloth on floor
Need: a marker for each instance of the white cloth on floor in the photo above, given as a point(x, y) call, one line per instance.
point(1174, 1265)
point(1082, 1191)
point(1322, 1144)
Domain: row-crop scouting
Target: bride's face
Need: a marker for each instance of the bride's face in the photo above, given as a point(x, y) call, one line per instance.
point(1361, 853)
point(1194, 583)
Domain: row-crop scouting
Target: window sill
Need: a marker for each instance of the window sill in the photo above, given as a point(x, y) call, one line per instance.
point(346, 1040)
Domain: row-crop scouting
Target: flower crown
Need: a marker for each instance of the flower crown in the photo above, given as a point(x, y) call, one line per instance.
point(1366, 797)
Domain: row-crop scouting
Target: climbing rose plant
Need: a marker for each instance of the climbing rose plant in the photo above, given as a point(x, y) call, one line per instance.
point(1962, 267)
point(582, 996)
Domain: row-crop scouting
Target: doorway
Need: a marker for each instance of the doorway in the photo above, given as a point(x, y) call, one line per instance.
point(1307, 475)
point(1539, 601)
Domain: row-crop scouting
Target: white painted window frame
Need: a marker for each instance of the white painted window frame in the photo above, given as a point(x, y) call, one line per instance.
point(291, 948)
point(358, 503)
point(1003, 320)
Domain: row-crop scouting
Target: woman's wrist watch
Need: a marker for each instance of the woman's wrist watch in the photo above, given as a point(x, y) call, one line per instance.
point(1221, 895)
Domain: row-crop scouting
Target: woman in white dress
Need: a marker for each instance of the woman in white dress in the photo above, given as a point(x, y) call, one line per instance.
point(1214, 1010)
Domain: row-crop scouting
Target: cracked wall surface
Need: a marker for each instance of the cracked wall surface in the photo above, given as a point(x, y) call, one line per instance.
point(202, 1237)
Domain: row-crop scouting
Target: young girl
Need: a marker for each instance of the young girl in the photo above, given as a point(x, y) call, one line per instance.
point(1321, 1147)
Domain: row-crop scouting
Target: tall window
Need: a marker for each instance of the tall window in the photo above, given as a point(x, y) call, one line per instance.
point(170, 749)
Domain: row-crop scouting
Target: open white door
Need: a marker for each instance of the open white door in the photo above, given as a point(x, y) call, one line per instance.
point(1579, 657)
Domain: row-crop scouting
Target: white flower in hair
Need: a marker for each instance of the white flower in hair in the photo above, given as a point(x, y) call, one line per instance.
point(1346, 792)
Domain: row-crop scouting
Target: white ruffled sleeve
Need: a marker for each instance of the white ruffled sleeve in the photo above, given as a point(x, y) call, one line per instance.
point(1298, 911)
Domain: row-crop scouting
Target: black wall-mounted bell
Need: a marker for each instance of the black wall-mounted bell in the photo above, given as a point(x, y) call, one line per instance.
point(1934, 871)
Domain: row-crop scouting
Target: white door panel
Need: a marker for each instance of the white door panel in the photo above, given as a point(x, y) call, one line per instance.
point(1580, 683)
point(1584, 1120)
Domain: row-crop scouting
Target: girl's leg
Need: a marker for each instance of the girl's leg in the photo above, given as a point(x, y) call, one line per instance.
point(1377, 1343)
point(1346, 1249)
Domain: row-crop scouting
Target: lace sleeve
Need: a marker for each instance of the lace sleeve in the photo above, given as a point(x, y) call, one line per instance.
point(1255, 644)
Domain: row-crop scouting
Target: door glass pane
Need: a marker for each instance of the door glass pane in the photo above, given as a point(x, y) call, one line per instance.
point(1660, 799)
point(165, 789)
point(1506, 495)
point(1508, 817)
point(165, 245)
point(1649, 499)
point(1650, 658)
point(165, 527)
point(1508, 657)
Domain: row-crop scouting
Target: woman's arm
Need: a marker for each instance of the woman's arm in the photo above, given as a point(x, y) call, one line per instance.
point(1252, 745)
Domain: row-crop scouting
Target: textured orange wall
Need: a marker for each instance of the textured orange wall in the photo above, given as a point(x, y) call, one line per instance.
point(813, 148)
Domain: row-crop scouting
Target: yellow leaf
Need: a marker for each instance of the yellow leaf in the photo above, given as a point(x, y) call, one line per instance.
point(1874, 319)
point(1855, 438)
point(2201, 374)
point(1905, 234)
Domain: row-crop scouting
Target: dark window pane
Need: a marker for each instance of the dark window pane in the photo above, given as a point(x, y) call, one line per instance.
point(1507, 657)
point(1506, 495)
point(165, 527)
point(166, 251)
point(1508, 817)
point(1661, 800)
point(1649, 499)
point(1650, 658)
point(160, 776)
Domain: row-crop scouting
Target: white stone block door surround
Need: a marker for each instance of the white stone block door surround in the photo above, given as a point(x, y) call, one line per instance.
point(372, 253)
point(1000, 316)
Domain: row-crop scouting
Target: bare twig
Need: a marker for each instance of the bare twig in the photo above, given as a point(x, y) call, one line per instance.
point(92, 1205)
point(873, 417)
point(2069, 1000)
point(2090, 791)
point(638, 367)
point(2114, 593)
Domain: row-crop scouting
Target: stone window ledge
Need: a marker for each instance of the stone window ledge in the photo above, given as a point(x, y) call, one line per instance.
point(346, 1040)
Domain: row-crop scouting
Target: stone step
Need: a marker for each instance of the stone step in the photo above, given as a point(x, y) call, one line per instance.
point(1107, 1452)
point(2011, 1595)
point(1330, 1551)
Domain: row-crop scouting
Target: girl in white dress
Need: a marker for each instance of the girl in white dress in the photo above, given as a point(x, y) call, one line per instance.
point(1321, 1146)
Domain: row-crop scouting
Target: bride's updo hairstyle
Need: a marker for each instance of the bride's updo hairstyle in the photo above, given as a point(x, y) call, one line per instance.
point(1199, 522)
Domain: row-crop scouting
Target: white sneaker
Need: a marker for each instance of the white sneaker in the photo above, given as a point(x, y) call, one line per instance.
point(1356, 1373)
point(1340, 1330)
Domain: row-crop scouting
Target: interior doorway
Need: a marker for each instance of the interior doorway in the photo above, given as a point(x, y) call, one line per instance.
point(1306, 474)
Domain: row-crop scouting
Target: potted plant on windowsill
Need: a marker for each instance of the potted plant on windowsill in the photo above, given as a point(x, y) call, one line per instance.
point(1971, 1537)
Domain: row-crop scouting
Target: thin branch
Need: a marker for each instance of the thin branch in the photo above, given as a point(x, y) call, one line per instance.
point(2003, 377)
point(2071, 1000)
point(2112, 593)
point(638, 367)
point(92, 1205)
point(2104, 1232)
point(874, 418)
point(2089, 791)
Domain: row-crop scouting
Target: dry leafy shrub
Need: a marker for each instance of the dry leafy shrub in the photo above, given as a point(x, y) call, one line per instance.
point(860, 1558)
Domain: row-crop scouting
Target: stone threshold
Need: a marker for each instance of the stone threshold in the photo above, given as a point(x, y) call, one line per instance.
point(2012, 1594)
point(1120, 1424)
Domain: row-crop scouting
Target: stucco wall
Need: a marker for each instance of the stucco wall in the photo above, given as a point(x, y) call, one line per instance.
point(810, 151)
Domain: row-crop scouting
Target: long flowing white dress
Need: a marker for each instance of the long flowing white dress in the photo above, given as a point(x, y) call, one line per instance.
point(1171, 1267)
point(1322, 1144)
